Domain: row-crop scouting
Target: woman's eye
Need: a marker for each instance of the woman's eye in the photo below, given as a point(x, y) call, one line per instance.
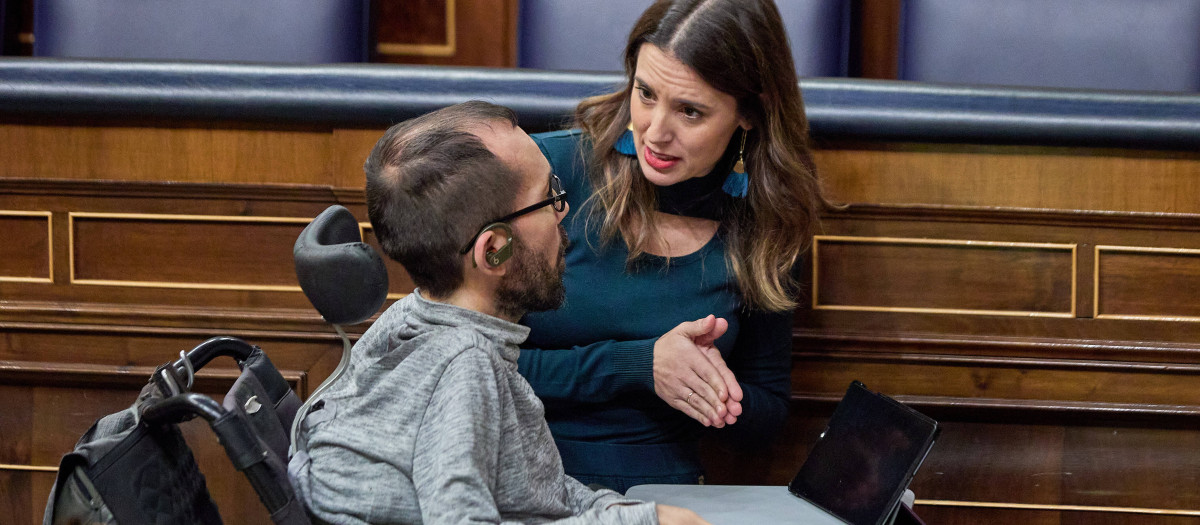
point(692, 112)
point(644, 93)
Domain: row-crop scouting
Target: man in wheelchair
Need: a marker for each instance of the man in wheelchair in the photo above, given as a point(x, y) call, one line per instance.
point(431, 423)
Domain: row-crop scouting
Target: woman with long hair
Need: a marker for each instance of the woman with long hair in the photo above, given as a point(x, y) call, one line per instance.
point(694, 195)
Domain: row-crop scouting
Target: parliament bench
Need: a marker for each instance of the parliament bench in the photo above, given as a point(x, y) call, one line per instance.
point(1021, 264)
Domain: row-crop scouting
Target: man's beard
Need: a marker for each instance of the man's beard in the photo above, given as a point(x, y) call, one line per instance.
point(532, 284)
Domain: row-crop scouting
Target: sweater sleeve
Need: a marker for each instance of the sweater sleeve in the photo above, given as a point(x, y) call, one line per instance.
point(606, 506)
point(761, 361)
point(592, 374)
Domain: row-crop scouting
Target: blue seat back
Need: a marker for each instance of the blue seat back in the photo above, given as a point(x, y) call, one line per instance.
point(589, 35)
point(288, 31)
point(1103, 44)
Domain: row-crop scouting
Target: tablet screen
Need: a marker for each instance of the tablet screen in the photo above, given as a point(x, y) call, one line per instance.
point(862, 463)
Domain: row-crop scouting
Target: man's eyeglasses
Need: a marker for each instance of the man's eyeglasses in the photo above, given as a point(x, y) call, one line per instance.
point(558, 197)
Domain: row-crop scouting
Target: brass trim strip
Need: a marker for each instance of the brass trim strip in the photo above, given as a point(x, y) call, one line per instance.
point(71, 216)
point(1129, 317)
point(1073, 248)
point(49, 246)
point(187, 218)
point(1096, 282)
point(946, 311)
point(449, 49)
point(28, 468)
point(188, 286)
point(1035, 506)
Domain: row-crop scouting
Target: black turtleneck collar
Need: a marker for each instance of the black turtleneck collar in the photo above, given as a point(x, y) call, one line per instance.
point(700, 197)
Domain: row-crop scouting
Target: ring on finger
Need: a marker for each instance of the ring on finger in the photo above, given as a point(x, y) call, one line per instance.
point(689, 397)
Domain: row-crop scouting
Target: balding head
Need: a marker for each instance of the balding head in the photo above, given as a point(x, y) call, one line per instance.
point(431, 182)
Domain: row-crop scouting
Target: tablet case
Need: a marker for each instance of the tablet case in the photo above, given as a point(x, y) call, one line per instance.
point(866, 457)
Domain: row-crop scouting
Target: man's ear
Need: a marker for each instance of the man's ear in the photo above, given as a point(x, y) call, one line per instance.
point(493, 246)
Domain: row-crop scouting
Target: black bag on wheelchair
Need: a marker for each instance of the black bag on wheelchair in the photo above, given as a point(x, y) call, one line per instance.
point(124, 470)
point(134, 466)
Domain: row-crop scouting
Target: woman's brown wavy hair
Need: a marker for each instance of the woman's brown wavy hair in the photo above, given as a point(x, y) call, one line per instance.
point(739, 47)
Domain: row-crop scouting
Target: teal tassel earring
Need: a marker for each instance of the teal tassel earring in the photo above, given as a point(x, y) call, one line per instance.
point(624, 144)
point(737, 183)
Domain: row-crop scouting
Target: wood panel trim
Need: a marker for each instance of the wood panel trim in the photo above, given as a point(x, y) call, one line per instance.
point(189, 190)
point(201, 333)
point(1103, 354)
point(78, 375)
point(1135, 249)
point(1017, 215)
point(977, 361)
point(942, 242)
point(1008, 411)
point(447, 49)
point(28, 468)
point(181, 218)
point(1071, 508)
point(49, 246)
point(180, 319)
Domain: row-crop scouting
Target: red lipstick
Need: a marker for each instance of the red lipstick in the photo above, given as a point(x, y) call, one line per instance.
point(658, 162)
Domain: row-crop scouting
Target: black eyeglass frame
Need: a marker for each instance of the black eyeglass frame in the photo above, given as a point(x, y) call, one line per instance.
point(559, 200)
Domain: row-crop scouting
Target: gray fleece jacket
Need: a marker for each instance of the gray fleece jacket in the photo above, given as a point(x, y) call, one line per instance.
point(432, 424)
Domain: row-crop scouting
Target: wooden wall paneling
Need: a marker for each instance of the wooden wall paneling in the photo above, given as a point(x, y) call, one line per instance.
point(991, 464)
point(899, 274)
point(27, 253)
point(1013, 177)
point(1065, 468)
point(168, 245)
point(237, 156)
point(112, 355)
point(16, 427)
point(447, 32)
point(972, 515)
point(23, 495)
point(1000, 378)
point(946, 515)
point(1132, 467)
point(184, 251)
point(1147, 283)
point(1069, 419)
point(1080, 336)
point(351, 148)
point(1165, 344)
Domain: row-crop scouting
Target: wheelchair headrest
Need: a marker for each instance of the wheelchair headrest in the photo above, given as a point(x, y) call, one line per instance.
point(344, 278)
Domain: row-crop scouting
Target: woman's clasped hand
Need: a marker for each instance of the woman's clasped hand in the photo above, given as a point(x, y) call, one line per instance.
point(691, 376)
